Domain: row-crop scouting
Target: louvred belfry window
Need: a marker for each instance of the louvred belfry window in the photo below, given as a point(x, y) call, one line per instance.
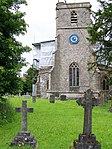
point(73, 17)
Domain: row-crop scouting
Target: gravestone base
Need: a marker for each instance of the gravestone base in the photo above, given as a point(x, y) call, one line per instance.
point(24, 138)
point(86, 142)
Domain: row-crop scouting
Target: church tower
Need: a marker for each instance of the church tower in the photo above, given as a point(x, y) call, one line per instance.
point(70, 75)
point(63, 63)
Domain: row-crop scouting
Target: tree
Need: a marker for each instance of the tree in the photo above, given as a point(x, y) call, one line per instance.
point(101, 32)
point(12, 24)
point(30, 78)
point(101, 35)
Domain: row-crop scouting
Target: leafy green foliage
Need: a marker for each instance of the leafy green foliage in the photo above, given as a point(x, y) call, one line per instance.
point(6, 111)
point(12, 24)
point(101, 33)
point(30, 78)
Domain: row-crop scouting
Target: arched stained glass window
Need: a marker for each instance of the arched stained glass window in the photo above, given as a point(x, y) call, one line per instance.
point(104, 83)
point(73, 75)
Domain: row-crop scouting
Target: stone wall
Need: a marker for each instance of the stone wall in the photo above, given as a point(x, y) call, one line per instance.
point(44, 78)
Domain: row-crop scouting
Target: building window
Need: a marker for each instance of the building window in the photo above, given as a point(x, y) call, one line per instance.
point(73, 17)
point(74, 75)
point(36, 63)
point(105, 85)
point(47, 84)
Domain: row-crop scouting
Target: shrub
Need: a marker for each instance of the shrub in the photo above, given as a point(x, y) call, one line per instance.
point(6, 111)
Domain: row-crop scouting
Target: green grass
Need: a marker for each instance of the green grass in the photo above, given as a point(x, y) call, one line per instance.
point(56, 126)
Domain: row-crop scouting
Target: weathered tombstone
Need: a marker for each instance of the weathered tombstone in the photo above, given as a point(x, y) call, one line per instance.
point(63, 97)
point(11, 96)
point(24, 137)
point(34, 99)
point(27, 95)
point(52, 99)
point(102, 98)
point(87, 140)
point(56, 94)
point(19, 95)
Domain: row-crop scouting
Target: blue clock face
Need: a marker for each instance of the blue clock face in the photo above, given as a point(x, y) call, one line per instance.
point(74, 39)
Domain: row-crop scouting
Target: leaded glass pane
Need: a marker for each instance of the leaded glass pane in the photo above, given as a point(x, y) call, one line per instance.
point(70, 76)
point(74, 75)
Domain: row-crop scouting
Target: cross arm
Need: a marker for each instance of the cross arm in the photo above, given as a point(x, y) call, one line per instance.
point(30, 110)
point(95, 102)
point(18, 109)
point(80, 101)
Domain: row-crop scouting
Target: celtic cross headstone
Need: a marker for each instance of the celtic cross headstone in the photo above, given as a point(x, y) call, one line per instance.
point(87, 140)
point(24, 137)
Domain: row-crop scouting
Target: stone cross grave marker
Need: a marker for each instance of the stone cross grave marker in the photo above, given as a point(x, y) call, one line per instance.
point(24, 111)
point(88, 102)
point(24, 137)
point(87, 140)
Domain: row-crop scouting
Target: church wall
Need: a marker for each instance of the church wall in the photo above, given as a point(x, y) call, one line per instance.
point(55, 73)
point(73, 53)
point(44, 77)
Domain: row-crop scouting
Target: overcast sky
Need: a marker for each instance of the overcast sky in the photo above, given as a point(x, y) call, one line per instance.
point(40, 15)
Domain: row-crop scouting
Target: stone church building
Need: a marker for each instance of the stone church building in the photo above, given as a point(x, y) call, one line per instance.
point(63, 62)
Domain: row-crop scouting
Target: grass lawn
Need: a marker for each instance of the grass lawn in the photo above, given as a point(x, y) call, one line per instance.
point(56, 126)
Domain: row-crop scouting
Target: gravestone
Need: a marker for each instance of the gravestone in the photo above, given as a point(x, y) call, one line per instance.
point(19, 95)
point(34, 99)
point(56, 94)
point(27, 95)
point(87, 140)
point(101, 97)
point(52, 99)
point(24, 137)
point(63, 97)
